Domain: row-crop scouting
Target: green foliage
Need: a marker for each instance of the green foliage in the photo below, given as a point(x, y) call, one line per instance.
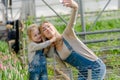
point(60, 28)
point(4, 47)
point(29, 21)
point(104, 25)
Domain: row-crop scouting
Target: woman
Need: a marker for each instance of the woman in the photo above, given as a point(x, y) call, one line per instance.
point(71, 50)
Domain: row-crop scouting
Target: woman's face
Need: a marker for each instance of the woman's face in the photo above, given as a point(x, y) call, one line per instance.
point(36, 36)
point(48, 30)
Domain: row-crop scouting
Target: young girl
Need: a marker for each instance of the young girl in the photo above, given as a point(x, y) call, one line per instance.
point(36, 58)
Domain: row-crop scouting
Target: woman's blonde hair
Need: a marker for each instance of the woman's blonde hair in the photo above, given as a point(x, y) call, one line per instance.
point(40, 27)
point(30, 29)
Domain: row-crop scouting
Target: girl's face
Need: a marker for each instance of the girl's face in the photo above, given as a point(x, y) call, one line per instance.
point(36, 36)
point(48, 30)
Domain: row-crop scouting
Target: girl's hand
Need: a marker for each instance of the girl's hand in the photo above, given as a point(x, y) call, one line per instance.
point(53, 39)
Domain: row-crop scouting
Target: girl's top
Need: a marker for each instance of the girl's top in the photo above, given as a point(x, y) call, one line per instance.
point(33, 47)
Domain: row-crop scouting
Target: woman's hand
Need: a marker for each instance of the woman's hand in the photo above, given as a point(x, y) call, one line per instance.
point(70, 3)
point(53, 39)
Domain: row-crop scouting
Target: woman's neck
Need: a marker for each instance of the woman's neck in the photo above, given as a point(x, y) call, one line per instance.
point(58, 42)
point(58, 36)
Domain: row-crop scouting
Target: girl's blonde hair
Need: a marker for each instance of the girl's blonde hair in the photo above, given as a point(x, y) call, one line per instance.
point(30, 29)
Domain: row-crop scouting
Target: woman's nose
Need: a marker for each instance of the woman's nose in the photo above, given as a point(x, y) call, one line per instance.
point(46, 29)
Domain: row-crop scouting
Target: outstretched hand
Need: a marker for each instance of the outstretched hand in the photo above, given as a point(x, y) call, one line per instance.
point(70, 3)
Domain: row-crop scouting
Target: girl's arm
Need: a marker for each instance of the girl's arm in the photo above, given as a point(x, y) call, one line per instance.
point(38, 46)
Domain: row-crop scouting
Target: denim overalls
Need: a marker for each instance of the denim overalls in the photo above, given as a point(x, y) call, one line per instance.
point(83, 64)
point(38, 68)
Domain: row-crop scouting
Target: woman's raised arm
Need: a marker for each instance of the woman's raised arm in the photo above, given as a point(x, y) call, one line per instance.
point(72, 4)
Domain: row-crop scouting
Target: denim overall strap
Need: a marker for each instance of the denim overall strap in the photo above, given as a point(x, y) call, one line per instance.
point(38, 68)
point(37, 57)
point(66, 43)
point(40, 52)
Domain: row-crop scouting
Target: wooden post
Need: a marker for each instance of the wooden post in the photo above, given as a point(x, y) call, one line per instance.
point(3, 14)
point(28, 9)
point(82, 14)
point(118, 4)
point(89, 74)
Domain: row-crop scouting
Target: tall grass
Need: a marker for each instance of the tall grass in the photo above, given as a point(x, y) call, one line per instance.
point(11, 68)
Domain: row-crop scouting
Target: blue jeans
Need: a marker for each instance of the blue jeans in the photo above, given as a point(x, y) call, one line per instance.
point(81, 63)
point(37, 76)
point(37, 68)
